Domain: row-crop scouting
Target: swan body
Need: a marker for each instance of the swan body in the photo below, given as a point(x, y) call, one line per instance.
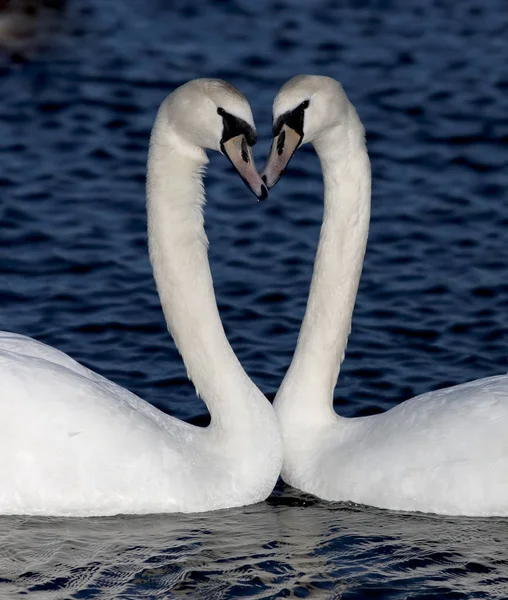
point(73, 443)
point(443, 452)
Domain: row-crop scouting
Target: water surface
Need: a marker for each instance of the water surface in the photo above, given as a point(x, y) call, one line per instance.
point(292, 547)
point(78, 94)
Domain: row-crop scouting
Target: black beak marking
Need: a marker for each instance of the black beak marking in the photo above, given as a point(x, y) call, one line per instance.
point(280, 143)
point(293, 119)
point(233, 126)
point(245, 152)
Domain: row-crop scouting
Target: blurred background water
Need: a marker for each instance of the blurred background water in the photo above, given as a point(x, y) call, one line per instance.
point(80, 83)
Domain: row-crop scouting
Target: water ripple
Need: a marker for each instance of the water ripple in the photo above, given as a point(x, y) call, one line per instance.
point(79, 90)
point(292, 546)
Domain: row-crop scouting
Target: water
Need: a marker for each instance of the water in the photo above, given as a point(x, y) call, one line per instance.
point(78, 94)
point(291, 549)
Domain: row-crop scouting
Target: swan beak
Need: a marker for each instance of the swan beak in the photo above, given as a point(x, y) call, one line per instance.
point(284, 146)
point(240, 154)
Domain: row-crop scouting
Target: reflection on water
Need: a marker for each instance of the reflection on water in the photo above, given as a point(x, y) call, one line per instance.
point(291, 546)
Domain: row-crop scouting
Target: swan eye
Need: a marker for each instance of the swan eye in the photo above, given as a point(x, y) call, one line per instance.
point(233, 126)
point(293, 118)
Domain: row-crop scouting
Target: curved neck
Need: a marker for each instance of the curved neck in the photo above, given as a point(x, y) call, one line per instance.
point(309, 383)
point(179, 255)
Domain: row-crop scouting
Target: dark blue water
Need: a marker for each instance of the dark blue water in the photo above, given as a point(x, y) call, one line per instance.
point(79, 88)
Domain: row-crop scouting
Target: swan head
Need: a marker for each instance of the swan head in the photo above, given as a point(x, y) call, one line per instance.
point(304, 110)
point(211, 114)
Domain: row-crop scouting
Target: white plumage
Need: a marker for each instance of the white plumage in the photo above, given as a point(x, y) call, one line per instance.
point(445, 451)
point(73, 443)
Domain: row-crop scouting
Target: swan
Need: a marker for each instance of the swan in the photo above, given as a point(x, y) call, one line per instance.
point(443, 452)
point(73, 443)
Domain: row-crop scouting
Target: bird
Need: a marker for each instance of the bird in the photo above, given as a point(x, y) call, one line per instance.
point(443, 452)
point(73, 443)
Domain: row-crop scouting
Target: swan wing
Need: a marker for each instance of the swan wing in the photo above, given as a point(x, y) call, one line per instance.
point(72, 442)
point(444, 451)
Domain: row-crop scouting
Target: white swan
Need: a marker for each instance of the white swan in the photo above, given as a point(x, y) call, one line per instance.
point(443, 452)
point(74, 443)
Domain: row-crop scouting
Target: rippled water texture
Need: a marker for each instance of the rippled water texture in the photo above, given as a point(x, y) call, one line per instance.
point(79, 87)
point(293, 549)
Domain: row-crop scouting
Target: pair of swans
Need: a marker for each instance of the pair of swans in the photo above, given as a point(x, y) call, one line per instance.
point(74, 443)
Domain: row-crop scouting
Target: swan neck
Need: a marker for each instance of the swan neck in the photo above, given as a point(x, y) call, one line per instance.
point(178, 249)
point(313, 373)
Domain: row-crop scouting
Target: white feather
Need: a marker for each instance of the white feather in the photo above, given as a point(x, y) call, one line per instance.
point(73, 443)
point(443, 452)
